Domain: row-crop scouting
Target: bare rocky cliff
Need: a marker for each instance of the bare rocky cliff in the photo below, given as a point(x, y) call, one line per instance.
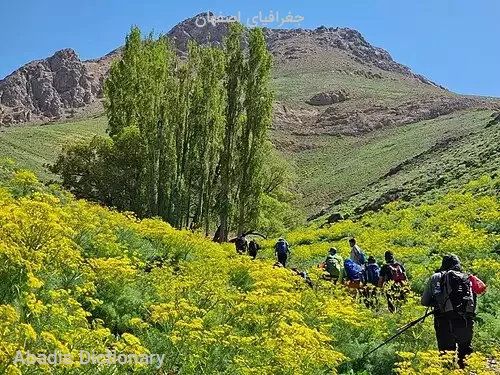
point(48, 89)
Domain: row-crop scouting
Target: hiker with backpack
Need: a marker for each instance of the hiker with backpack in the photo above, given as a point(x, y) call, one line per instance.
point(281, 249)
point(241, 244)
point(371, 276)
point(452, 293)
point(353, 274)
point(304, 275)
point(395, 272)
point(253, 248)
point(357, 254)
point(371, 273)
point(334, 265)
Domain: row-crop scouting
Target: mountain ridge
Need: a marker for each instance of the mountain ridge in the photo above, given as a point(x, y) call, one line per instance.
point(42, 91)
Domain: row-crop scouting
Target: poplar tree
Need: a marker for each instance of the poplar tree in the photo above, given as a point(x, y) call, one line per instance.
point(258, 108)
point(186, 137)
point(235, 71)
point(135, 96)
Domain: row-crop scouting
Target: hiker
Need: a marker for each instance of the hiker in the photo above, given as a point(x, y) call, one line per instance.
point(334, 265)
point(353, 274)
point(452, 293)
point(253, 248)
point(281, 249)
point(357, 254)
point(371, 273)
point(241, 244)
point(395, 272)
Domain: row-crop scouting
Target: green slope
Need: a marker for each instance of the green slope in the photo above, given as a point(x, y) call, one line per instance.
point(33, 146)
point(339, 167)
point(330, 167)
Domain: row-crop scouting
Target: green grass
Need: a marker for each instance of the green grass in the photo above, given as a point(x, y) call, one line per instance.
point(33, 146)
point(343, 166)
point(296, 81)
point(333, 167)
point(338, 168)
point(300, 87)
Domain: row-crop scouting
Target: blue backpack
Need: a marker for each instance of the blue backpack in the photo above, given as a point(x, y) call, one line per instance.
point(372, 273)
point(281, 247)
point(362, 257)
point(352, 270)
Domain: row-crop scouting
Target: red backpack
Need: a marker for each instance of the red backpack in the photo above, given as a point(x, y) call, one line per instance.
point(397, 272)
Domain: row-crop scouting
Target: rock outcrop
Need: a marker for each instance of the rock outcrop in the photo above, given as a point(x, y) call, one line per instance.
point(357, 121)
point(43, 89)
point(327, 98)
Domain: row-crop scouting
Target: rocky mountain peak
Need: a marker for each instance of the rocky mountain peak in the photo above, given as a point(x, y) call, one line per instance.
point(60, 58)
point(190, 30)
point(44, 89)
point(62, 85)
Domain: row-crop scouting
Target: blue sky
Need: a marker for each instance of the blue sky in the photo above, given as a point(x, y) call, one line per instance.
point(453, 42)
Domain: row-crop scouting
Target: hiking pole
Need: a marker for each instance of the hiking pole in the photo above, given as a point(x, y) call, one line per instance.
point(399, 331)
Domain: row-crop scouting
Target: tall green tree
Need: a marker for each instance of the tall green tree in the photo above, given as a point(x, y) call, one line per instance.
point(235, 83)
point(208, 126)
point(258, 108)
point(135, 96)
point(186, 136)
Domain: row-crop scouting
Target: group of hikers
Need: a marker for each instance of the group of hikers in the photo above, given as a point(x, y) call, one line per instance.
point(450, 292)
point(243, 246)
point(360, 272)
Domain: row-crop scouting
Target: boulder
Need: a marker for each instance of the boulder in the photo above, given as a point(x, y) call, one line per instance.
point(327, 98)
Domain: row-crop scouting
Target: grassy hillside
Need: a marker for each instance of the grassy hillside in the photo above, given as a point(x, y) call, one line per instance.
point(297, 80)
point(331, 164)
point(33, 146)
point(335, 168)
point(79, 277)
point(329, 168)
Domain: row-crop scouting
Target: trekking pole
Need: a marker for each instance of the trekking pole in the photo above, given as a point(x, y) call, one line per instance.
point(399, 331)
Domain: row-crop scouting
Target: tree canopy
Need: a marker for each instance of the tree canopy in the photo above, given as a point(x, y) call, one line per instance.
point(187, 137)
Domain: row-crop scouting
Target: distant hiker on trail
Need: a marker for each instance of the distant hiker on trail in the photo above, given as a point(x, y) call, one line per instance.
point(353, 274)
point(281, 249)
point(241, 244)
point(371, 273)
point(393, 271)
point(357, 254)
point(452, 293)
point(253, 248)
point(334, 265)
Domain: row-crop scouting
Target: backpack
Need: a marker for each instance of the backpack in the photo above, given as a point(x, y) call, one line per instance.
point(352, 270)
point(362, 257)
point(241, 243)
point(397, 274)
point(372, 273)
point(281, 247)
point(456, 293)
point(333, 265)
point(252, 246)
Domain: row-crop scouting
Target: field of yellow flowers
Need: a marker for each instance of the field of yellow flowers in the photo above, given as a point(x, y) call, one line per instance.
point(79, 277)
